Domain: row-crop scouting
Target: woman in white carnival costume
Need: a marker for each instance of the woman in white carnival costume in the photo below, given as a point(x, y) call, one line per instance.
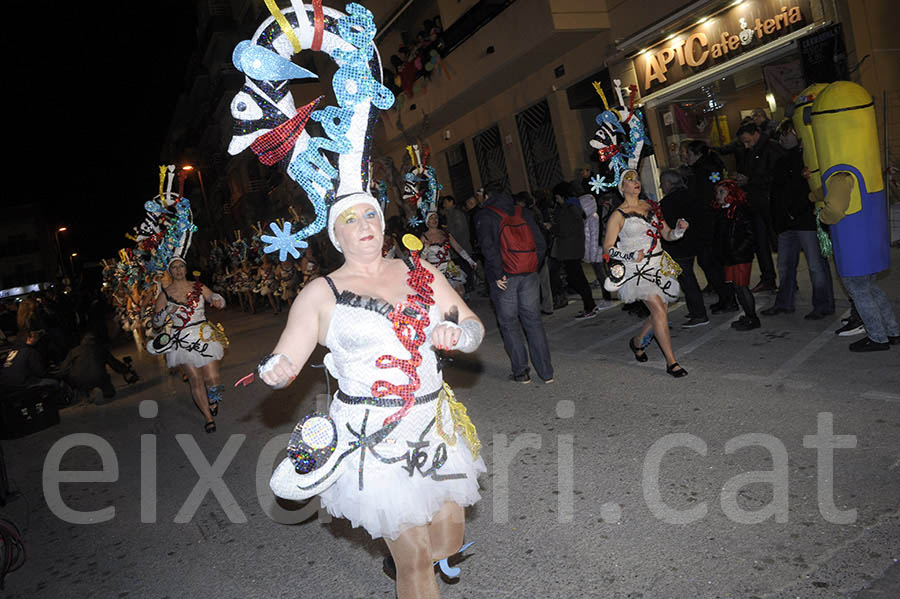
point(396, 454)
point(423, 462)
point(640, 269)
point(188, 339)
point(437, 251)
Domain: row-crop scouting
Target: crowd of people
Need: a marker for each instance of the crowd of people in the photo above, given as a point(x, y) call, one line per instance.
point(59, 342)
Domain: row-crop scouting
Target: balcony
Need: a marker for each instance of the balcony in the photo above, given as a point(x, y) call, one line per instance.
point(522, 36)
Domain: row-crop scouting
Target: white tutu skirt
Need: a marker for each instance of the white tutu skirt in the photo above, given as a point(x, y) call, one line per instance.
point(195, 345)
point(655, 275)
point(404, 480)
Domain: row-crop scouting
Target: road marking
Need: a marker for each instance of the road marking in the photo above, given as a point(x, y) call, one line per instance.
point(781, 374)
point(881, 395)
point(805, 353)
point(627, 331)
point(763, 379)
point(683, 351)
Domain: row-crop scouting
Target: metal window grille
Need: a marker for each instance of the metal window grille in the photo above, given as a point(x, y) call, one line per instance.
point(539, 146)
point(460, 176)
point(490, 159)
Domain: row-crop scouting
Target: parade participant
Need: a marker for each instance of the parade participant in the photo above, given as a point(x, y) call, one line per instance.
point(268, 284)
point(288, 279)
point(366, 312)
point(851, 200)
point(243, 285)
point(184, 335)
point(414, 470)
point(191, 341)
point(649, 274)
point(734, 238)
point(437, 251)
point(309, 270)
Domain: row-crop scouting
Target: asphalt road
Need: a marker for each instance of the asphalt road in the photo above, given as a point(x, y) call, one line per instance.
point(616, 481)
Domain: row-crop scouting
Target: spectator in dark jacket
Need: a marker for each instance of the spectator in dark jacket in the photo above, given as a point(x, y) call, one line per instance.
point(678, 203)
point(85, 367)
point(516, 296)
point(794, 220)
point(734, 240)
point(707, 169)
point(24, 366)
point(568, 248)
point(756, 166)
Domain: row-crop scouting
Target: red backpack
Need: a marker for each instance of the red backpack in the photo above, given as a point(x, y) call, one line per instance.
point(517, 248)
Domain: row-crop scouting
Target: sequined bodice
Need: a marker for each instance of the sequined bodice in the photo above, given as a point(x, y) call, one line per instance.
point(634, 234)
point(359, 333)
point(183, 315)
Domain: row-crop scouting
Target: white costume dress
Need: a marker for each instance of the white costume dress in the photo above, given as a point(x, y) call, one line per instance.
point(438, 255)
point(402, 480)
point(656, 274)
point(188, 338)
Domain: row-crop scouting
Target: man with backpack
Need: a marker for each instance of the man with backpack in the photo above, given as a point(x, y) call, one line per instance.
point(513, 249)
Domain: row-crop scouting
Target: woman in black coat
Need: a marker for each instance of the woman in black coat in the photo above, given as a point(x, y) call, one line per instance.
point(707, 169)
point(568, 247)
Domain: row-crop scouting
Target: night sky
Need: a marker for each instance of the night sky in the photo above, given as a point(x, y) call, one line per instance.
point(90, 91)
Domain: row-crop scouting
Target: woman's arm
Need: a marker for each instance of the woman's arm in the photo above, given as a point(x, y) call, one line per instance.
point(467, 332)
point(300, 335)
point(159, 310)
point(613, 228)
point(459, 250)
point(213, 298)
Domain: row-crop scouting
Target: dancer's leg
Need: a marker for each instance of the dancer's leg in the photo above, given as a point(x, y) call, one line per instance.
point(198, 390)
point(446, 531)
point(412, 555)
point(660, 322)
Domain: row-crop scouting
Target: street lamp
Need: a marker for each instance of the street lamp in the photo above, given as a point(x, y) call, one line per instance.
point(62, 267)
point(190, 168)
point(72, 264)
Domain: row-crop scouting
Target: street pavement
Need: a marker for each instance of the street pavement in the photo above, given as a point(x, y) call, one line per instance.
point(615, 481)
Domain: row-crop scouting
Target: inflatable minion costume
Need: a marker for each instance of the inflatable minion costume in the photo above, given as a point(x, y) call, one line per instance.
point(837, 126)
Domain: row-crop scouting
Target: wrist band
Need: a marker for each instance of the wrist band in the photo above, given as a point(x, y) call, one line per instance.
point(471, 335)
point(267, 364)
point(218, 298)
point(676, 234)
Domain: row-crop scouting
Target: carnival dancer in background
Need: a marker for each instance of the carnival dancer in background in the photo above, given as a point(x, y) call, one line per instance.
point(437, 251)
point(288, 280)
point(243, 286)
point(268, 282)
point(366, 312)
point(633, 237)
point(190, 341)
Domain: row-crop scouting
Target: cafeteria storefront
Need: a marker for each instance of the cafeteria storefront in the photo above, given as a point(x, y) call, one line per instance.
point(700, 75)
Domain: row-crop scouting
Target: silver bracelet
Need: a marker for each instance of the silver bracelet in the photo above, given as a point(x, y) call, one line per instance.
point(267, 364)
point(471, 335)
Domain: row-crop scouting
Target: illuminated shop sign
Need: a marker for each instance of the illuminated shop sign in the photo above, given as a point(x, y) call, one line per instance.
point(716, 39)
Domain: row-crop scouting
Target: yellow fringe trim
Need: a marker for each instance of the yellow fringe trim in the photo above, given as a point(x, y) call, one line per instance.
point(462, 424)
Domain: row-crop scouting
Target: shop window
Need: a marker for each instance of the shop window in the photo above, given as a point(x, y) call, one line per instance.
point(460, 175)
point(713, 112)
point(539, 146)
point(490, 159)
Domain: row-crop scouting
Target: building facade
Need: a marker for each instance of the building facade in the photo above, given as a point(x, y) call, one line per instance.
point(503, 91)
